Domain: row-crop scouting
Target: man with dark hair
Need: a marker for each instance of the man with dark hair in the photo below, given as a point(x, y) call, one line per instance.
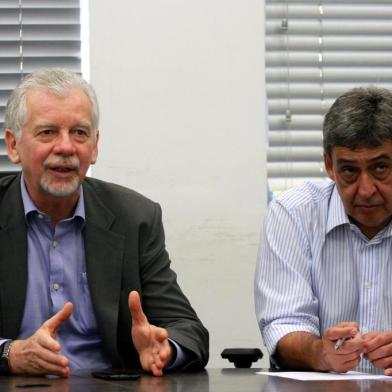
point(85, 280)
point(322, 283)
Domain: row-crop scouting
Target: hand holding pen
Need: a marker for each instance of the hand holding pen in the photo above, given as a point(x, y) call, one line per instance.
point(352, 334)
point(343, 345)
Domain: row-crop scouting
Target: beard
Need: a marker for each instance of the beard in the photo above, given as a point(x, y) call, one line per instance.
point(57, 186)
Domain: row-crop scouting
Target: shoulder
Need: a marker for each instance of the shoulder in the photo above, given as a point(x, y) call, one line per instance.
point(305, 207)
point(121, 201)
point(308, 195)
point(8, 182)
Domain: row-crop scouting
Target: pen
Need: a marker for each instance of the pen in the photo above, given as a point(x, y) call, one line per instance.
point(339, 343)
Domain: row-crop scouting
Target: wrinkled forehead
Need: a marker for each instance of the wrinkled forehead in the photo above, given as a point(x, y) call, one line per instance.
point(362, 154)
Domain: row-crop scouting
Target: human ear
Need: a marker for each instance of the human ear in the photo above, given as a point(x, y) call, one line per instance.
point(329, 166)
point(11, 143)
point(94, 154)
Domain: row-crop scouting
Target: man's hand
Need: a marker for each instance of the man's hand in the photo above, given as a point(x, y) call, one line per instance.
point(305, 351)
point(40, 353)
point(378, 350)
point(151, 342)
point(348, 355)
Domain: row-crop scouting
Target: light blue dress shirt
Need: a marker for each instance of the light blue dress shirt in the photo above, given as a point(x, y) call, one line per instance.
point(315, 269)
point(56, 275)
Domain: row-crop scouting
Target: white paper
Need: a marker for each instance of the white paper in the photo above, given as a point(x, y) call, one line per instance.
point(319, 376)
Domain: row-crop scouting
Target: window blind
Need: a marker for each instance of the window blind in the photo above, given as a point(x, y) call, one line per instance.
point(35, 34)
point(315, 51)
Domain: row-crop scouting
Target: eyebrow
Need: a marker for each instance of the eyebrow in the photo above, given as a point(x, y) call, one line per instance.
point(82, 124)
point(387, 157)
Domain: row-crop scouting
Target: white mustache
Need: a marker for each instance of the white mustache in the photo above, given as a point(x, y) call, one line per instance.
point(70, 162)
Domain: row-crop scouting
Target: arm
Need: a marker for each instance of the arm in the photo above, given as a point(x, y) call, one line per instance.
point(284, 299)
point(164, 304)
point(287, 307)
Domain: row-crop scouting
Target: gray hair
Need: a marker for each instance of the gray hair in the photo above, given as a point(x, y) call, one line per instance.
point(362, 117)
point(57, 81)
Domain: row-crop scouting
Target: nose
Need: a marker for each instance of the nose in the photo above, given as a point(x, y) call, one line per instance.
point(366, 186)
point(64, 144)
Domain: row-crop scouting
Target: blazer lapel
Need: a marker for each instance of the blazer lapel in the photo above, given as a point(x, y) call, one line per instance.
point(13, 260)
point(104, 256)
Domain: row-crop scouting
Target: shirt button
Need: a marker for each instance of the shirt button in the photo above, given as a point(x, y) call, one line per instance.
point(56, 286)
point(55, 243)
point(367, 285)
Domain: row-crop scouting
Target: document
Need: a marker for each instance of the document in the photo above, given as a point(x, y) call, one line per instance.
point(320, 376)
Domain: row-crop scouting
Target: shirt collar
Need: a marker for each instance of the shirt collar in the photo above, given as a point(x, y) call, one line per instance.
point(30, 207)
point(336, 213)
point(337, 216)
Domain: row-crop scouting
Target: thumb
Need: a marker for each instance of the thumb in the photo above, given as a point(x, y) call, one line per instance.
point(55, 322)
point(135, 307)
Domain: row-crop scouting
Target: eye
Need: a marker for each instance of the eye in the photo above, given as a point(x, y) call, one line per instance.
point(46, 132)
point(348, 170)
point(80, 132)
point(381, 170)
point(348, 173)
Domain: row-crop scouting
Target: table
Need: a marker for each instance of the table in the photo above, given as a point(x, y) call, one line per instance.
point(210, 380)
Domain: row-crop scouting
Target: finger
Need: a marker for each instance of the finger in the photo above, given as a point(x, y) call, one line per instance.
point(349, 324)
point(159, 356)
point(44, 367)
point(374, 344)
point(383, 363)
point(156, 371)
point(383, 353)
point(62, 315)
point(336, 333)
point(346, 366)
point(53, 358)
point(135, 307)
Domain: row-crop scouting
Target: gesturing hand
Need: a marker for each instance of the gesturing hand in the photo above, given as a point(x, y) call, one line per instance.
point(40, 353)
point(151, 342)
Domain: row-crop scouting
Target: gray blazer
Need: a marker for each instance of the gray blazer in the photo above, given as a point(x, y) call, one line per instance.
point(125, 250)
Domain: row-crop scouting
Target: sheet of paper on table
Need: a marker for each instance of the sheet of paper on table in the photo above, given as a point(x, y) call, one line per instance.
point(319, 376)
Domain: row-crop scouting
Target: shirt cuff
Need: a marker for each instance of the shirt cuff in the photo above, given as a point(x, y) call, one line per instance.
point(2, 341)
point(180, 357)
point(274, 332)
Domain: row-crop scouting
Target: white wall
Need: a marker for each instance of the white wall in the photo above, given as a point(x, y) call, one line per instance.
point(181, 88)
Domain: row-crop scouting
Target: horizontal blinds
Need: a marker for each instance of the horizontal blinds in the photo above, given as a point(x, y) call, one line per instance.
point(35, 34)
point(315, 51)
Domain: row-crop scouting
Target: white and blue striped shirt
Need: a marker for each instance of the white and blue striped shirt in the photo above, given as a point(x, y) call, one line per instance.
point(315, 269)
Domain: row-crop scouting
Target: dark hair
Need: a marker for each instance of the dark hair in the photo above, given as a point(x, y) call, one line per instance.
point(361, 117)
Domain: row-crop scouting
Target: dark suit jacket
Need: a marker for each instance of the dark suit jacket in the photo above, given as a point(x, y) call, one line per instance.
point(125, 250)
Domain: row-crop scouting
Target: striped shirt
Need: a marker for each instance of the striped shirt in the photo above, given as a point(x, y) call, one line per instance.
point(315, 269)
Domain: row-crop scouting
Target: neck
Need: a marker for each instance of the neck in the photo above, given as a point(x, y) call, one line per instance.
point(58, 208)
